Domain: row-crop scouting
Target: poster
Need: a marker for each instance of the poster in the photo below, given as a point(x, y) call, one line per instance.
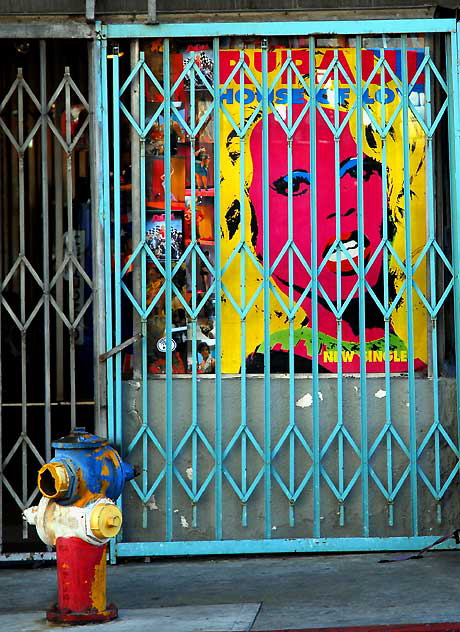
point(332, 225)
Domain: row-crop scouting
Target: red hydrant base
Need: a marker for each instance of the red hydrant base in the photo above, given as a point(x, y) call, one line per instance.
point(66, 616)
point(81, 575)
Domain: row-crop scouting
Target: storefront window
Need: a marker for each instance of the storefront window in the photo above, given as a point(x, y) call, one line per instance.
point(288, 179)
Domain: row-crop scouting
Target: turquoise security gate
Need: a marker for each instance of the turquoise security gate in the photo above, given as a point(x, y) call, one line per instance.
point(281, 265)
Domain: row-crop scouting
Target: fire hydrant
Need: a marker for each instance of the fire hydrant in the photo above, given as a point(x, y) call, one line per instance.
point(78, 515)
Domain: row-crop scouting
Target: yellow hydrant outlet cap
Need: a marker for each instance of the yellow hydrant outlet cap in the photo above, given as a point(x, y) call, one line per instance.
point(53, 480)
point(105, 520)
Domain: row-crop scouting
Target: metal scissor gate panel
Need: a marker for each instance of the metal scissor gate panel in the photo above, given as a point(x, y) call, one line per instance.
point(47, 288)
point(282, 250)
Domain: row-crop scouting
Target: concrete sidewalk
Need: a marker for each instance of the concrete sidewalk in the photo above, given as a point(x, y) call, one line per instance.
point(258, 593)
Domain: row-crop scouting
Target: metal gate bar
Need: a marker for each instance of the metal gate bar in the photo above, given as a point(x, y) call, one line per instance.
point(453, 54)
point(303, 27)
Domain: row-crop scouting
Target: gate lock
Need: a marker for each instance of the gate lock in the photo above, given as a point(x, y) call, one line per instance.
point(78, 515)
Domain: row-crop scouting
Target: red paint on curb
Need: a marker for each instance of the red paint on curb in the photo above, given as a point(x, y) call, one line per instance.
point(405, 627)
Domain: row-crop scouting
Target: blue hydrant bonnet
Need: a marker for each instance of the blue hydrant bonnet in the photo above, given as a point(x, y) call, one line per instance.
point(84, 466)
point(79, 438)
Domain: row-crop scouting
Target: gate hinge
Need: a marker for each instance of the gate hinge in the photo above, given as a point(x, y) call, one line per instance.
point(100, 33)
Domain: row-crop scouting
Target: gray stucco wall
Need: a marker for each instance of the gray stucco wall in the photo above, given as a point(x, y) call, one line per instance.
point(279, 410)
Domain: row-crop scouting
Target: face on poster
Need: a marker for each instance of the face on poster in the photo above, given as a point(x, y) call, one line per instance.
point(311, 204)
